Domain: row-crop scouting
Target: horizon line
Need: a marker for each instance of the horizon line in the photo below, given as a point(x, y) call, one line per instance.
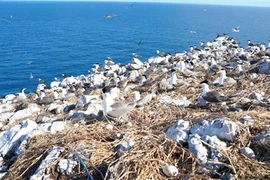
point(163, 2)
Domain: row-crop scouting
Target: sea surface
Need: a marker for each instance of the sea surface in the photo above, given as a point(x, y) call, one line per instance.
point(51, 38)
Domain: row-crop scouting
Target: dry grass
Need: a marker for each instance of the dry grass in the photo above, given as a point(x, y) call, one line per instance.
point(153, 149)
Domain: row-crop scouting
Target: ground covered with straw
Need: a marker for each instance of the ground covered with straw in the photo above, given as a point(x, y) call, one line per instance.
point(153, 149)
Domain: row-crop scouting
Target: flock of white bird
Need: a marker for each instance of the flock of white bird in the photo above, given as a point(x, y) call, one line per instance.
point(143, 80)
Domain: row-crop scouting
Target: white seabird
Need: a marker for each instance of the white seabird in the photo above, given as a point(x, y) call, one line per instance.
point(182, 68)
point(135, 55)
point(109, 16)
point(236, 29)
point(162, 54)
point(174, 80)
point(20, 96)
point(212, 96)
point(114, 110)
point(31, 76)
point(238, 69)
point(223, 80)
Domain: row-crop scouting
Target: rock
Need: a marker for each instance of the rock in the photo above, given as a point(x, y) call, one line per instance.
point(27, 112)
point(263, 138)
point(129, 124)
point(197, 148)
point(21, 106)
point(6, 115)
point(12, 138)
point(256, 96)
point(109, 127)
point(201, 102)
point(125, 146)
point(248, 152)
point(229, 176)
point(45, 119)
point(179, 131)
point(253, 75)
point(170, 171)
point(66, 166)
point(69, 108)
point(82, 101)
point(57, 126)
point(6, 107)
point(42, 172)
point(7, 135)
point(22, 147)
point(2, 175)
point(93, 110)
point(247, 120)
point(56, 108)
point(45, 127)
point(215, 146)
point(264, 67)
point(222, 128)
point(244, 100)
point(78, 116)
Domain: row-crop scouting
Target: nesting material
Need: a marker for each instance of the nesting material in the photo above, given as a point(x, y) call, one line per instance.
point(57, 126)
point(125, 146)
point(43, 171)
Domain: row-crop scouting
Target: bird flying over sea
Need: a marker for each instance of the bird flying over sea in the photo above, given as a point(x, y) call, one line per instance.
point(131, 5)
point(109, 16)
point(31, 76)
point(1, 19)
point(139, 43)
point(236, 29)
point(193, 32)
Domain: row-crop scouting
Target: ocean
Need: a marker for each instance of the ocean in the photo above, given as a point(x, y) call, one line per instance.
point(51, 38)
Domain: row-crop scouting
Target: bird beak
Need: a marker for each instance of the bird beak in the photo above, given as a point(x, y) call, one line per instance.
point(219, 72)
point(197, 85)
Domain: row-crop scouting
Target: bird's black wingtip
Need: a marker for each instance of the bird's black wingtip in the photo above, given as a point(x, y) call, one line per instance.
point(204, 81)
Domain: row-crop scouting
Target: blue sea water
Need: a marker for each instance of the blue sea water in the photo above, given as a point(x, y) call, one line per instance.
point(51, 38)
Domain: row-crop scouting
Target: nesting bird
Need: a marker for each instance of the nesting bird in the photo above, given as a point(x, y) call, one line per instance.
point(175, 81)
point(162, 54)
point(20, 96)
point(223, 80)
point(184, 70)
point(115, 110)
point(212, 96)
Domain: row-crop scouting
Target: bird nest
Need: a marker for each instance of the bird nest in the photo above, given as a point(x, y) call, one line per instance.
point(152, 149)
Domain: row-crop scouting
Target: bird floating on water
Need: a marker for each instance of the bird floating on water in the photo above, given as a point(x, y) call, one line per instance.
point(109, 16)
point(236, 29)
point(29, 62)
point(31, 76)
point(193, 32)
